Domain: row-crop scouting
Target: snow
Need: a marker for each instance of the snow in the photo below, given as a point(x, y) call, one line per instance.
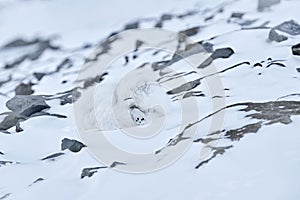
point(261, 165)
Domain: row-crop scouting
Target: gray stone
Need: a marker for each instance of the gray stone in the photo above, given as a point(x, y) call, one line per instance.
point(296, 49)
point(36, 181)
point(291, 27)
point(222, 53)
point(166, 17)
point(27, 105)
point(262, 4)
point(190, 32)
point(133, 25)
point(116, 163)
point(274, 36)
point(39, 75)
point(89, 172)
point(73, 145)
point(185, 87)
point(238, 15)
point(24, 89)
point(10, 121)
point(24, 107)
point(5, 162)
point(34, 49)
point(5, 196)
point(53, 156)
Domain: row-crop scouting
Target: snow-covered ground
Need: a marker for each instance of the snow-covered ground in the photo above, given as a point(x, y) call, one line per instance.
point(51, 57)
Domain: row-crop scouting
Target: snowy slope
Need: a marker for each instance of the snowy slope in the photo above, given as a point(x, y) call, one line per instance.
point(51, 57)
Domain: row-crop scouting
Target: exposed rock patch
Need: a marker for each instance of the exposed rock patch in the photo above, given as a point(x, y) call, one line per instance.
point(73, 145)
point(89, 172)
point(291, 27)
point(53, 157)
point(296, 49)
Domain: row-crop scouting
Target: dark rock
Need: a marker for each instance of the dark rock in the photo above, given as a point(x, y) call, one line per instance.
point(190, 49)
point(67, 97)
point(237, 134)
point(273, 112)
point(206, 62)
point(66, 63)
point(216, 151)
point(291, 27)
point(53, 156)
point(159, 65)
point(138, 44)
point(257, 65)
point(222, 53)
point(266, 113)
point(5, 162)
point(187, 14)
point(296, 49)
point(5, 196)
point(209, 18)
point(166, 17)
point(159, 24)
point(89, 172)
point(238, 15)
point(193, 94)
point(24, 89)
point(190, 32)
point(185, 87)
point(218, 53)
point(36, 181)
point(176, 140)
point(70, 97)
point(263, 4)
point(91, 81)
point(1, 153)
point(27, 105)
point(87, 46)
point(38, 48)
point(298, 70)
point(24, 107)
point(116, 163)
point(133, 25)
point(208, 47)
point(73, 145)
point(39, 75)
point(20, 43)
point(10, 121)
point(274, 36)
